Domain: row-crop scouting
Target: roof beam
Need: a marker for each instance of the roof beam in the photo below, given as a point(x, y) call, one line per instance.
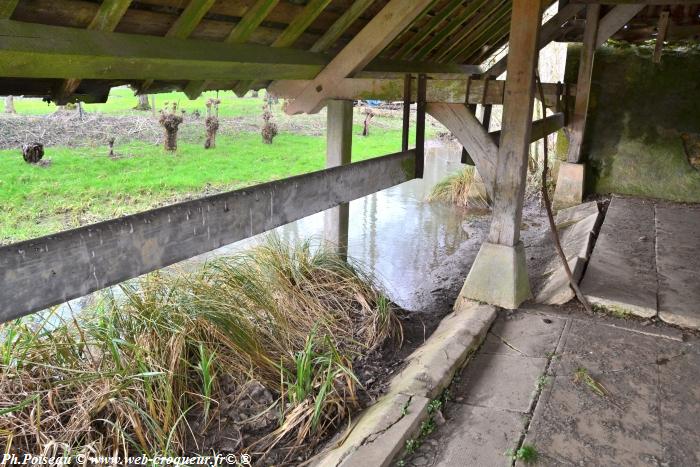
point(448, 30)
point(488, 26)
point(106, 19)
point(615, 20)
point(341, 25)
point(35, 50)
point(7, 7)
point(366, 45)
point(550, 31)
point(443, 15)
point(240, 34)
point(184, 26)
point(291, 33)
point(438, 90)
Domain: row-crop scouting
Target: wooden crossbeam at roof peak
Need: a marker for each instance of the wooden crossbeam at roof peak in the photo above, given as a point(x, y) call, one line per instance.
point(365, 46)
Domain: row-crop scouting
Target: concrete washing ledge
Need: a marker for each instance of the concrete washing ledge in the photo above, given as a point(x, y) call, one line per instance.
point(381, 431)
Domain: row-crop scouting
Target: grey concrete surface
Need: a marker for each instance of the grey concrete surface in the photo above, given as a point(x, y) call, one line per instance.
point(649, 413)
point(621, 274)
point(678, 263)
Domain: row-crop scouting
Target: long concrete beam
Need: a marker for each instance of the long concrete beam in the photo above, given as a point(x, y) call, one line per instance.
point(46, 271)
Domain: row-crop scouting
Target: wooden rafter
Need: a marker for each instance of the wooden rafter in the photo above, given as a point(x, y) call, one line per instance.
point(496, 13)
point(425, 31)
point(550, 31)
point(106, 19)
point(240, 34)
point(7, 7)
point(614, 20)
point(446, 31)
point(184, 26)
point(366, 45)
point(290, 34)
point(341, 25)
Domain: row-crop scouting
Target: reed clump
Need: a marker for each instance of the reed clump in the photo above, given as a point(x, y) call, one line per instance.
point(461, 189)
point(162, 366)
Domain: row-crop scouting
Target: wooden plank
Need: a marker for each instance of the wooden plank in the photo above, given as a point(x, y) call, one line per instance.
point(439, 90)
point(240, 34)
point(583, 85)
point(664, 21)
point(475, 139)
point(7, 7)
point(366, 45)
point(341, 25)
point(614, 20)
point(511, 165)
point(426, 30)
point(106, 19)
point(42, 272)
point(550, 31)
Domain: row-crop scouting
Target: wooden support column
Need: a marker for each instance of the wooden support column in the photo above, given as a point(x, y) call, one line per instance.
point(338, 152)
point(583, 85)
point(499, 274)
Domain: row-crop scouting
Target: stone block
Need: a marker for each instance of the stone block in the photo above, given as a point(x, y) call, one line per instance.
point(569, 189)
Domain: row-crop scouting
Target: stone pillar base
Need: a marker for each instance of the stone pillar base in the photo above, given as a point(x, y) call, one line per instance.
point(569, 190)
point(498, 276)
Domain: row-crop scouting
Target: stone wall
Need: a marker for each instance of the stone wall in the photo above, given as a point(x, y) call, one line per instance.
point(643, 131)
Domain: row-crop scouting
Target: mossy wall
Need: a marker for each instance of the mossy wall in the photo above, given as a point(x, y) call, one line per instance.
point(643, 131)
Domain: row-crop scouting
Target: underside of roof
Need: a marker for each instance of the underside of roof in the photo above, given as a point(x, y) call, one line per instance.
point(79, 49)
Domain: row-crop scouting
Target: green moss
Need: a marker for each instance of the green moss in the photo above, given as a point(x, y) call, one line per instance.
point(637, 113)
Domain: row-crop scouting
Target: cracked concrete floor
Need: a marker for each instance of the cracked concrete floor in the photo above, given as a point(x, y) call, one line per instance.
point(520, 387)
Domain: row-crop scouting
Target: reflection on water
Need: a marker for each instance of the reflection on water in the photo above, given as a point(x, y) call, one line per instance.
point(395, 233)
point(400, 238)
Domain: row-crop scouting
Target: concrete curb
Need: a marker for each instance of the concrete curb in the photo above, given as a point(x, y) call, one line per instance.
point(381, 431)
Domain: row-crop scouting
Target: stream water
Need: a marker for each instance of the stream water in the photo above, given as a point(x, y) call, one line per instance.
point(419, 251)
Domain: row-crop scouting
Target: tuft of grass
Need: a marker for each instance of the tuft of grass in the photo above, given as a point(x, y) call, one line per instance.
point(527, 453)
point(457, 189)
point(134, 372)
point(581, 375)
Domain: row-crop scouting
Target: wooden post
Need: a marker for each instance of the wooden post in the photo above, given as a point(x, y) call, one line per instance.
point(499, 273)
point(662, 31)
point(511, 167)
point(406, 112)
point(420, 125)
point(583, 86)
point(338, 152)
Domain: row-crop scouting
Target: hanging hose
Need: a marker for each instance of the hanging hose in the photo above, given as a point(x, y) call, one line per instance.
point(548, 207)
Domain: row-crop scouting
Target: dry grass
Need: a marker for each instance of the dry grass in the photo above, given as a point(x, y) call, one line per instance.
point(458, 189)
point(134, 372)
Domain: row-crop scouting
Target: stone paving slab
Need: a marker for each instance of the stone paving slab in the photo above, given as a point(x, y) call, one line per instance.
point(499, 381)
point(649, 416)
point(481, 437)
point(529, 334)
point(678, 264)
point(621, 274)
point(574, 214)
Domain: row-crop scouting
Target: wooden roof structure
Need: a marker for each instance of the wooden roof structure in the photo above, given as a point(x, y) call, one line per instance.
point(78, 49)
